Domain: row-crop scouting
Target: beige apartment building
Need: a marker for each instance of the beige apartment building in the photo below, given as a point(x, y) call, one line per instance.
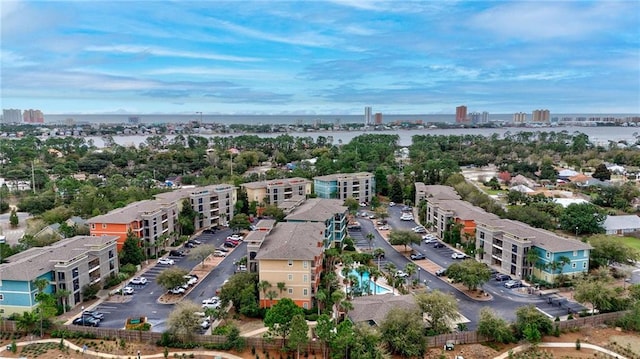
point(277, 191)
point(291, 253)
point(214, 204)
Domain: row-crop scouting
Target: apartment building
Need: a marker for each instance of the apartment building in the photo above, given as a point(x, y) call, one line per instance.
point(69, 264)
point(360, 185)
point(444, 213)
point(291, 253)
point(331, 213)
point(505, 243)
point(424, 192)
point(214, 204)
point(153, 221)
point(276, 191)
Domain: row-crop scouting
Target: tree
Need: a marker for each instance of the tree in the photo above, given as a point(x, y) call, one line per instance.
point(547, 171)
point(27, 322)
point(240, 221)
point(440, 308)
point(602, 173)
point(13, 218)
point(493, 327)
point(532, 257)
point(242, 291)
point(46, 302)
point(530, 317)
point(583, 218)
point(367, 343)
point(596, 291)
point(370, 237)
point(131, 251)
point(264, 286)
point(299, 334)
point(608, 249)
point(325, 332)
point(186, 218)
point(171, 278)
point(202, 252)
point(405, 238)
point(471, 273)
point(278, 318)
point(352, 204)
point(401, 330)
point(183, 321)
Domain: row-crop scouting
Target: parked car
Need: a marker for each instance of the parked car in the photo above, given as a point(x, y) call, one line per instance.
point(138, 281)
point(236, 237)
point(128, 290)
point(219, 253)
point(502, 277)
point(205, 324)
point(189, 245)
point(195, 241)
point(86, 321)
point(211, 300)
point(229, 244)
point(363, 204)
point(233, 240)
point(449, 345)
point(440, 272)
point(94, 314)
point(354, 227)
point(419, 229)
point(428, 240)
point(381, 222)
point(166, 261)
point(177, 290)
point(391, 204)
point(402, 274)
point(176, 253)
point(438, 244)
point(209, 231)
point(418, 256)
point(406, 217)
point(372, 216)
point(456, 255)
point(512, 284)
point(384, 227)
point(223, 249)
point(191, 280)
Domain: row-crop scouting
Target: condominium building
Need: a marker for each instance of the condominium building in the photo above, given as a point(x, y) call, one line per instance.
point(11, 115)
point(69, 264)
point(505, 243)
point(360, 186)
point(540, 116)
point(155, 221)
point(367, 116)
point(328, 212)
point(276, 191)
point(32, 116)
point(291, 253)
point(442, 214)
point(434, 192)
point(519, 117)
point(461, 114)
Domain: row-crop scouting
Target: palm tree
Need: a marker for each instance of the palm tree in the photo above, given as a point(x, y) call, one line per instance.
point(531, 258)
point(410, 269)
point(41, 284)
point(374, 273)
point(27, 322)
point(361, 271)
point(271, 295)
point(370, 238)
point(378, 253)
point(263, 286)
point(321, 297)
point(281, 287)
point(62, 295)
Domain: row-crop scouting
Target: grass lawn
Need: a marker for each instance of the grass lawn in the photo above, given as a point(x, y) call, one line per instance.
point(631, 242)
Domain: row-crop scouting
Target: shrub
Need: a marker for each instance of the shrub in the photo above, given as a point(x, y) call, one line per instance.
point(578, 344)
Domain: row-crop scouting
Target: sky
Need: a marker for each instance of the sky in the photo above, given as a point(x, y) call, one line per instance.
point(320, 57)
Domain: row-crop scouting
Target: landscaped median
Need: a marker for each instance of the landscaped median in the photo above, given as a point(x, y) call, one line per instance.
point(201, 271)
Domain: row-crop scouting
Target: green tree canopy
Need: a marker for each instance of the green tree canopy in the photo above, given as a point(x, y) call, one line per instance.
point(610, 249)
point(530, 317)
point(441, 310)
point(405, 238)
point(171, 277)
point(469, 272)
point(131, 251)
point(602, 173)
point(402, 331)
point(279, 317)
point(583, 218)
point(493, 327)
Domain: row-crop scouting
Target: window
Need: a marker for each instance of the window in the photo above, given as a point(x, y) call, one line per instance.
point(111, 254)
point(290, 276)
point(305, 278)
point(305, 292)
point(481, 235)
point(575, 253)
point(104, 226)
point(584, 265)
point(305, 305)
point(1, 296)
point(74, 272)
point(290, 262)
point(547, 255)
point(93, 226)
point(573, 265)
point(61, 276)
point(514, 248)
point(290, 290)
point(305, 264)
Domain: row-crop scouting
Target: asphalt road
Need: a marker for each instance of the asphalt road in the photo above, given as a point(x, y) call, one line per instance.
point(505, 301)
point(144, 302)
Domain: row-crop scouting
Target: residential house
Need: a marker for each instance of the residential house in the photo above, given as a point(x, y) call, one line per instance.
point(291, 253)
point(69, 264)
point(621, 225)
point(276, 191)
point(51, 231)
point(373, 309)
point(520, 179)
point(81, 226)
point(521, 188)
point(360, 186)
point(504, 244)
point(328, 212)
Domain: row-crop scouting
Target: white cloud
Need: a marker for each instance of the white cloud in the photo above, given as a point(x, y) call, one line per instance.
point(156, 51)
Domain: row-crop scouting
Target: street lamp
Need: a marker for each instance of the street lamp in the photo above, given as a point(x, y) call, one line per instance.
point(419, 270)
point(576, 232)
point(82, 308)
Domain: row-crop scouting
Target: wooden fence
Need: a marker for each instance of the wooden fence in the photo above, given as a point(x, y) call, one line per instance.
point(468, 337)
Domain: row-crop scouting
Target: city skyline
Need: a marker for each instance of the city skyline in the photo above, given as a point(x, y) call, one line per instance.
point(320, 57)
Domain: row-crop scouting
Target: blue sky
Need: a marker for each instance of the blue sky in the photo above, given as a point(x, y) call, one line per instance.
point(320, 57)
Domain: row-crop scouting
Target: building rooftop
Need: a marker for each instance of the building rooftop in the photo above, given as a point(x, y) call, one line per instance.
point(465, 210)
point(129, 213)
point(374, 308)
point(290, 240)
point(614, 223)
point(438, 191)
point(276, 182)
point(36, 261)
point(186, 192)
point(316, 210)
point(539, 237)
point(338, 176)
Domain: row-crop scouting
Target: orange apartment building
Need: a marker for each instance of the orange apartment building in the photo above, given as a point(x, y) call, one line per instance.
point(155, 221)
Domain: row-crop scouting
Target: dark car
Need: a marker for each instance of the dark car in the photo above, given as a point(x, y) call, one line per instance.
point(229, 244)
point(223, 249)
point(209, 231)
point(438, 245)
point(189, 245)
point(502, 277)
point(418, 256)
point(354, 227)
point(86, 321)
point(176, 253)
point(93, 314)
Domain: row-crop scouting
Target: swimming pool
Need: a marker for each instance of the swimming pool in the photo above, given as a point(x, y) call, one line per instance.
point(373, 287)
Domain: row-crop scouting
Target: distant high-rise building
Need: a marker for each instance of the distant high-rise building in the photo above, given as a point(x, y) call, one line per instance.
point(32, 116)
point(485, 117)
point(540, 116)
point(474, 117)
point(378, 118)
point(11, 116)
point(367, 116)
point(519, 117)
point(461, 114)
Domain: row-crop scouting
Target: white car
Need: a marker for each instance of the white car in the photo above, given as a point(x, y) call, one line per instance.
point(219, 253)
point(191, 280)
point(177, 290)
point(166, 261)
point(211, 300)
point(236, 237)
point(127, 290)
point(406, 217)
point(402, 274)
point(419, 229)
point(456, 255)
point(384, 228)
point(428, 240)
point(138, 281)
